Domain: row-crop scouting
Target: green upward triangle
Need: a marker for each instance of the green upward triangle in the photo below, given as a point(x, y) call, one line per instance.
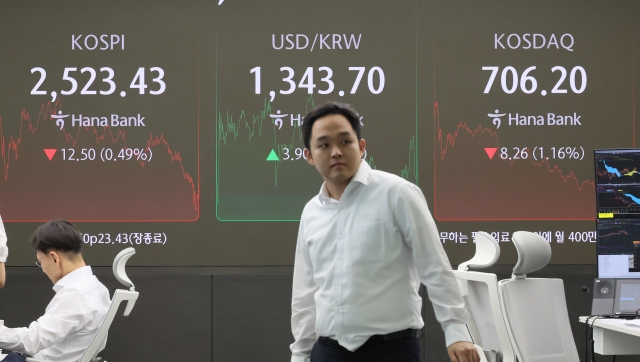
point(272, 156)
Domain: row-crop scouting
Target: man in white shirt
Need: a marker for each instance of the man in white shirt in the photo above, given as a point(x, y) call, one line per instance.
point(4, 253)
point(75, 313)
point(364, 245)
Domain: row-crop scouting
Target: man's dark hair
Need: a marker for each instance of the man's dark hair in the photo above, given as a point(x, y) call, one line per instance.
point(327, 109)
point(57, 235)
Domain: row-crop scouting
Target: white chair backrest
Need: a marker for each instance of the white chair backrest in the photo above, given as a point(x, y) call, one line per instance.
point(480, 294)
point(534, 253)
point(487, 252)
point(119, 296)
point(535, 310)
point(119, 263)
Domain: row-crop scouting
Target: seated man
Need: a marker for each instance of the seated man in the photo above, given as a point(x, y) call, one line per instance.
point(75, 313)
point(4, 253)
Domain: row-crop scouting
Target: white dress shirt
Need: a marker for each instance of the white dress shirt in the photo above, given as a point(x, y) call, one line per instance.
point(69, 324)
point(359, 263)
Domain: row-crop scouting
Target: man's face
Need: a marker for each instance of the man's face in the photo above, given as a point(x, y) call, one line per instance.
point(335, 149)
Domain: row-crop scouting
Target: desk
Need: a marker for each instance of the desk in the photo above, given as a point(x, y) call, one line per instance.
point(613, 337)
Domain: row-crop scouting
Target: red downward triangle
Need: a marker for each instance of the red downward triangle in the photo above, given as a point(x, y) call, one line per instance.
point(50, 152)
point(490, 152)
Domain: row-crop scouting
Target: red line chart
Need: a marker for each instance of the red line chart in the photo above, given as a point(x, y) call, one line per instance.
point(469, 186)
point(134, 191)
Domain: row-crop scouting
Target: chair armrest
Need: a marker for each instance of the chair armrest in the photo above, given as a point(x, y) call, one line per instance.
point(483, 357)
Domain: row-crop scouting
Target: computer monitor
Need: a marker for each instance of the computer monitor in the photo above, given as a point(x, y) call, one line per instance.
point(617, 166)
point(618, 248)
point(618, 212)
point(627, 297)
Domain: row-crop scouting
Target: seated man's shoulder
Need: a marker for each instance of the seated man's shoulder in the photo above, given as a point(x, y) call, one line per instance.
point(88, 285)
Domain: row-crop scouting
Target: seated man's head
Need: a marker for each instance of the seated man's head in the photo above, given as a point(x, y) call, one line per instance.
point(58, 246)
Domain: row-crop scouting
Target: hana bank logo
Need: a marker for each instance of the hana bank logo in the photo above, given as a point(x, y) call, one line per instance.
point(496, 118)
point(220, 2)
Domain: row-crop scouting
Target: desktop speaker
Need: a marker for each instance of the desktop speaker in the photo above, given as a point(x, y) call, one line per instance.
point(603, 296)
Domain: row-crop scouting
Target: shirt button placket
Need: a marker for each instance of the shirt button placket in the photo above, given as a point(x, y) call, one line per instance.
point(340, 265)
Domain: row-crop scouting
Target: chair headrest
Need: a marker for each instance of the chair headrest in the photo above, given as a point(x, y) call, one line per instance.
point(534, 252)
point(487, 252)
point(119, 264)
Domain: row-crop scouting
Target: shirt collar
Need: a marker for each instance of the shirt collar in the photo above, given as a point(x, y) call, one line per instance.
point(72, 277)
point(361, 176)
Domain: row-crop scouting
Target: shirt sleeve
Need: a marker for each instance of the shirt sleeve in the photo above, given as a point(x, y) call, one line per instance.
point(303, 306)
point(421, 235)
point(66, 314)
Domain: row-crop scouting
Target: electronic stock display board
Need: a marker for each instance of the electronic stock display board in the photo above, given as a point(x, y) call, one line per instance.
point(174, 127)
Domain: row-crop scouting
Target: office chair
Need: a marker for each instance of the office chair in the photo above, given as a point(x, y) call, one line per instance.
point(480, 294)
point(535, 310)
point(120, 295)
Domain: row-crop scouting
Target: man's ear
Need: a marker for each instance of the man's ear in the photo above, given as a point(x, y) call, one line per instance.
point(308, 156)
point(55, 256)
point(362, 144)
